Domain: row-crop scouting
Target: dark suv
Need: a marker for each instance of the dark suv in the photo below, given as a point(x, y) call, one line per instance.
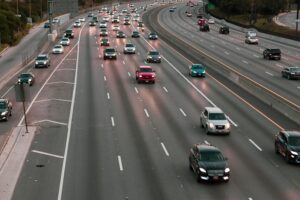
point(287, 143)
point(110, 53)
point(272, 54)
point(42, 60)
point(208, 163)
point(224, 30)
point(5, 109)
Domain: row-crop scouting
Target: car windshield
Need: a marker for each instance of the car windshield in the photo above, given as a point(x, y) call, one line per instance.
point(3, 105)
point(217, 116)
point(294, 141)
point(129, 45)
point(57, 47)
point(64, 39)
point(153, 34)
point(153, 53)
point(25, 75)
point(295, 69)
point(197, 67)
point(135, 32)
point(110, 50)
point(211, 156)
point(146, 69)
point(104, 40)
point(42, 57)
point(68, 31)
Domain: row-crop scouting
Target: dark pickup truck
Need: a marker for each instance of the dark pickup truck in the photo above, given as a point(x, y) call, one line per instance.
point(272, 54)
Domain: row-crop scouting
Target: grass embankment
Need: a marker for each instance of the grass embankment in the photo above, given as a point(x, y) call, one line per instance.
point(263, 24)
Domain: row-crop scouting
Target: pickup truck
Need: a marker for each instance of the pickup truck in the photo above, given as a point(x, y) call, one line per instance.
point(145, 74)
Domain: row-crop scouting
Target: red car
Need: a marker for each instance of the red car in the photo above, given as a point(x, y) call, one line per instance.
point(201, 22)
point(145, 74)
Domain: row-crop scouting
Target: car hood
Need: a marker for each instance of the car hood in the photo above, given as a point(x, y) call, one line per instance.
point(218, 122)
point(147, 73)
point(154, 56)
point(295, 148)
point(198, 70)
point(24, 78)
point(3, 110)
point(110, 53)
point(220, 165)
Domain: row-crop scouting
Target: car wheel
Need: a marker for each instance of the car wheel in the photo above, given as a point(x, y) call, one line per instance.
point(276, 149)
point(153, 82)
point(201, 124)
point(286, 158)
point(289, 77)
point(198, 178)
point(206, 130)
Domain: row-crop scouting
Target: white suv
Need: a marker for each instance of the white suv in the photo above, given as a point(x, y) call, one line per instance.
point(213, 120)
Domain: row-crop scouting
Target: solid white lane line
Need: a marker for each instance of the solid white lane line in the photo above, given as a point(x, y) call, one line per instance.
point(51, 121)
point(108, 96)
point(146, 113)
point(120, 163)
point(7, 91)
point(256, 56)
point(183, 113)
point(231, 121)
point(269, 73)
point(59, 82)
point(104, 78)
point(165, 149)
point(244, 61)
point(129, 74)
point(298, 87)
point(112, 121)
point(255, 145)
point(136, 90)
point(227, 53)
point(61, 183)
point(44, 100)
point(165, 89)
point(47, 154)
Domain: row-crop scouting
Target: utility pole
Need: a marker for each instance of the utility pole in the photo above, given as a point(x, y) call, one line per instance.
point(297, 17)
point(50, 12)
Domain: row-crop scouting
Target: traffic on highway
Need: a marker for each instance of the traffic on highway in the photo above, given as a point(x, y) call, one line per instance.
point(157, 100)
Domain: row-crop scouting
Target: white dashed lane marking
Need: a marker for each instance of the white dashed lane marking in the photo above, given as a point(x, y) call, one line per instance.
point(136, 90)
point(244, 61)
point(129, 74)
point(166, 90)
point(120, 163)
point(165, 149)
point(146, 113)
point(269, 73)
point(254, 144)
point(104, 78)
point(108, 96)
point(182, 112)
point(112, 121)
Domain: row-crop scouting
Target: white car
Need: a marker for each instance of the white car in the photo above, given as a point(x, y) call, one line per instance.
point(105, 19)
point(211, 21)
point(250, 33)
point(251, 40)
point(188, 14)
point(116, 28)
point(65, 41)
point(213, 120)
point(57, 49)
point(103, 24)
point(129, 48)
point(77, 24)
point(82, 19)
point(56, 20)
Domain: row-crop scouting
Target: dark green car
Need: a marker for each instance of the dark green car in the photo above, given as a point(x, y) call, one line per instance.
point(135, 34)
point(5, 109)
point(27, 78)
point(197, 70)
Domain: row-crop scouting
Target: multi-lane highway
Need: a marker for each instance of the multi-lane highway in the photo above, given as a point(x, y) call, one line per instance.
point(101, 135)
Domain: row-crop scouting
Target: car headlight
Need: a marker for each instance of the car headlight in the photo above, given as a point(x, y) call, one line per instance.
point(194, 72)
point(159, 57)
point(45, 62)
point(227, 125)
point(149, 57)
point(202, 170)
point(30, 80)
point(19, 80)
point(4, 113)
point(153, 75)
point(203, 72)
point(227, 170)
point(294, 153)
point(36, 62)
point(211, 125)
point(140, 76)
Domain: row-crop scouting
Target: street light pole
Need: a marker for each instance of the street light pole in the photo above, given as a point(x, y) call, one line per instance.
point(297, 17)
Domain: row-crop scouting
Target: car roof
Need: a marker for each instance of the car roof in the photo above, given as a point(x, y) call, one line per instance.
point(213, 110)
point(144, 66)
point(207, 147)
point(40, 55)
point(109, 48)
point(291, 133)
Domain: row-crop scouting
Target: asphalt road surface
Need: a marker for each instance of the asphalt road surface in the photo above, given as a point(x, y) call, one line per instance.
point(103, 136)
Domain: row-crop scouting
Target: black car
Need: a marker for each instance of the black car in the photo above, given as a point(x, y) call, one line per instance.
point(204, 28)
point(92, 23)
point(5, 109)
point(42, 60)
point(69, 33)
point(287, 144)
point(272, 54)
point(135, 34)
point(153, 56)
point(110, 53)
point(224, 30)
point(121, 34)
point(153, 36)
point(291, 72)
point(208, 163)
point(26, 78)
point(47, 25)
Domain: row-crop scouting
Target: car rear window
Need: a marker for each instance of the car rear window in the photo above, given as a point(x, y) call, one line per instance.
point(216, 116)
point(275, 51)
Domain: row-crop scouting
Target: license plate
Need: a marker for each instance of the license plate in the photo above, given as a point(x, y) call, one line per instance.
point(215, 177)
